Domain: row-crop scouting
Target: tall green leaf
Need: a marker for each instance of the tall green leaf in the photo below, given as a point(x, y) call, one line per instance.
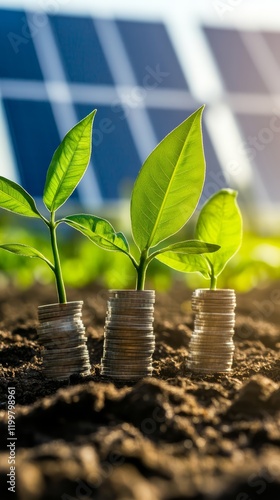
point(169, 184)
point(69, 163)
point(26, 251)
point(186, 263)
point(15, 199)
point(220, 222)
point(98, 230)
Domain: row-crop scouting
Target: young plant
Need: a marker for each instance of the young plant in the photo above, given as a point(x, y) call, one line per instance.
point(66, 169)
point(164, 197)
point(220, 222)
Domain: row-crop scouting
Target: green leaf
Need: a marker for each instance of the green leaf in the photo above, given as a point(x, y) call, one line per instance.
point(15, 199)
point(220, 222)
point(169, 184)
point(98, 230)
point(69, 163)
point(190, 247)
point(26, 251)
point(186, 263)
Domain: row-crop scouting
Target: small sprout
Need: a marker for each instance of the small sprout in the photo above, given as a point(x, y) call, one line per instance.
point(220, 222)
point(66, 169)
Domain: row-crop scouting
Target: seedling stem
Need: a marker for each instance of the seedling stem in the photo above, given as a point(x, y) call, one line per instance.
point(141, 271)
point(213, 283)
point(57, 266)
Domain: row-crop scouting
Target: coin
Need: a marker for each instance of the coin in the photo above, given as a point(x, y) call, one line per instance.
point(211, 347)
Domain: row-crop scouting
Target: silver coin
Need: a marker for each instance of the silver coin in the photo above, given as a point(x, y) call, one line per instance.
point(62, 340)
point(129, 310)
point(129, 339)
point(127, 327)
point(80, 366)
point(109, 346)
point(129, 335)
point(127, 366)
point(130, 320)
point(210, 361)
point(201, 369)
point(126, 343)
point(48, 356)
point(134, 301)
point(146, 342)
point(67, 368)
point(203, 346)
point(126, 375)
point(128, 348)
point(52, 365)
point(206, 292)
point(57, 315)
point(74, 343)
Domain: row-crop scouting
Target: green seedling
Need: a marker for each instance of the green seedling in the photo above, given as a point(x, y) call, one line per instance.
point(66, 169)
point(220, 222)
point(165, 195)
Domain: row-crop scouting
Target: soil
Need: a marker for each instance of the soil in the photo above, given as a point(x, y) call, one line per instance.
point(176, 435)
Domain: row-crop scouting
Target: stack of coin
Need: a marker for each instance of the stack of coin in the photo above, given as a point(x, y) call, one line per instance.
point(62, 333)
point(129, 340)
point(211, 346)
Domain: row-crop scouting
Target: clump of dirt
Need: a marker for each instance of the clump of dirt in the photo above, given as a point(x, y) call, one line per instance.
point(176, 435)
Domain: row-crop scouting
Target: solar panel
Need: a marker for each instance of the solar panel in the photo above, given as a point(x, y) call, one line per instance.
point(35, 137)
point(152, 55)
point(235, 64)
point(81, 53)
point(17, 55)
point(114, 155)
point(131, 72)
point(273, 41)
point(262, 135)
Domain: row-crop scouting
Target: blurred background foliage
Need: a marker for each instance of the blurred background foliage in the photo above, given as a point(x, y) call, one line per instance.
point(257, 262)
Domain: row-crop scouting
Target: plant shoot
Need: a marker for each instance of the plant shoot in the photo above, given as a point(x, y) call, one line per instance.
point(165, 195)
point(66, 169)
point(220, 222)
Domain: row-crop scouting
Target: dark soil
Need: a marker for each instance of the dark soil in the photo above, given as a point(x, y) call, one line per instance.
point(176, 435)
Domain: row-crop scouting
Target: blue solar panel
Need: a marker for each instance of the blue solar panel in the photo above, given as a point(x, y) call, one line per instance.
point(236, 66)
point(149, 59)
point(35, 138)
point(273, 41)
point(151, 54)
point(261, 146)
point(17, 54)
point(166, 119)
point(80, 49)
point(115, 158)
